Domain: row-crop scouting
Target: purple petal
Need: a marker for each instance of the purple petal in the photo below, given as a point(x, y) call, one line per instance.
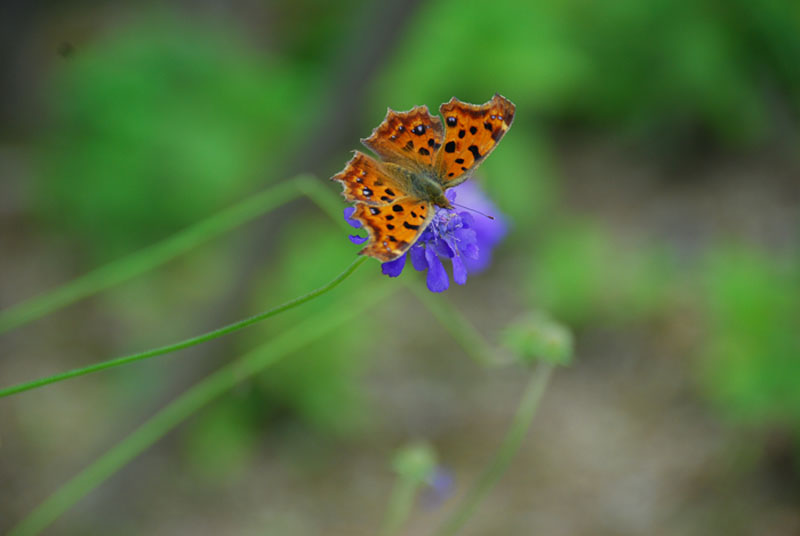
point(355, 239)
point(395, 267)
point(450, 195)
point(440, 487)
point(417, 253)
point(467, 219)
point(348, 217)
point(459, 270)
point(437, 276)
point(470, 251)
point(443, 248)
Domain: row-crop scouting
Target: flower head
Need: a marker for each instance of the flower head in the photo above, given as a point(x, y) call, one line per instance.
point(456, 235)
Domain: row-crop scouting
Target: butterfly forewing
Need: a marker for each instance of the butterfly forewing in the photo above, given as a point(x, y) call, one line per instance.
point(393, 228)
point(410, 139)
point(471, 133)
point(365, 180)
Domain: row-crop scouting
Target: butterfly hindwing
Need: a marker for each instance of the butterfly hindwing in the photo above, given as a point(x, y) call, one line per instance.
point(393, 228)
point(364, 179)
point(410, 139)
point(471, 133)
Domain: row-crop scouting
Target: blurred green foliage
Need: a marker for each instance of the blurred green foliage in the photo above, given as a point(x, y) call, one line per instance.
point(160, 123)
point(751, 362)
point(219, 447)
point(582, 274)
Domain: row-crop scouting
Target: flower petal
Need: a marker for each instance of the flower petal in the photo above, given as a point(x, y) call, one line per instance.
point(470, 251)
point(395, 267)
point(355, 239)
point(437, 276)
point(444, 248)
point(417, 253)
point(348, 213)
point(459, 270)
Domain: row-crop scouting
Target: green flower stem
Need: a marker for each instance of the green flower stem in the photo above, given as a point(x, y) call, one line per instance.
point(186, 405)
point(473, 343)
point(502, 458)
point(188, 342)
point(153, 256)
point(401, 503)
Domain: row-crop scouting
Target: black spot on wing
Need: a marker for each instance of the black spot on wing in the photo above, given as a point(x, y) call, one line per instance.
point(452, 121)
point(410, 226)
point(475, 153)
point(462, 133)
point(423, 151)
point(473, 130)
point(450, 147)
point(397, 208)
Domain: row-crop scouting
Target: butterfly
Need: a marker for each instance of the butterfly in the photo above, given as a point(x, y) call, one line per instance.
point(395, 197)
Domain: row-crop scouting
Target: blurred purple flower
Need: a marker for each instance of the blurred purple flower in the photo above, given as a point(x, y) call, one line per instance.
point(465, 239)
point(440, 488)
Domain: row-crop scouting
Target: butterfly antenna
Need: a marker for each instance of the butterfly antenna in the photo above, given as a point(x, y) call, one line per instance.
point(473, 210)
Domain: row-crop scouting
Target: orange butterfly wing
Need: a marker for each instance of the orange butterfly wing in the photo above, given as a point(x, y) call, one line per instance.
point(394, 228)
point(365, 180)
point(471, 133)
point(393, 218)
point(409, 139)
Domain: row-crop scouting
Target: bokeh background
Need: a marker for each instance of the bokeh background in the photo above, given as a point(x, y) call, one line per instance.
point(652, 178)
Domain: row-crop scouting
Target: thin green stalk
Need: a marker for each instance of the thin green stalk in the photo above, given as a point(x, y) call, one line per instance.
point(400, 505)
point(456, 323)
point(150, 257)
point(188, 342)
point(184, 406)
point(502, 458)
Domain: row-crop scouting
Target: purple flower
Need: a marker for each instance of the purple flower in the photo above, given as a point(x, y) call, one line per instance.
point(465, 239)
point(440, 487)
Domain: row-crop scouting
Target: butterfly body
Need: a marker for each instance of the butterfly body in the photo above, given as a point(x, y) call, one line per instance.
point(420, 159)
point(420, 184)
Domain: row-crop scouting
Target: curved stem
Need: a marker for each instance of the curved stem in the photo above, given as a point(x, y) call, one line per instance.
point(473, 343)
point(152, 256)
point(188, 342)
point(401, 503)
point(184, 406)
point(502, 458)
